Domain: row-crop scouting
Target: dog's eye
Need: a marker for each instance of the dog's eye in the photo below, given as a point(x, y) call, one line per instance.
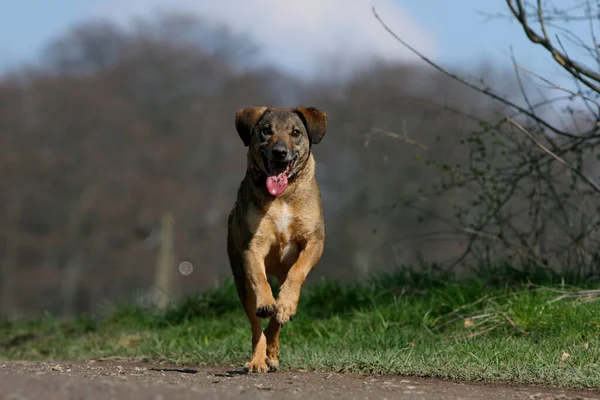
point(267, 131)
point(296, 132)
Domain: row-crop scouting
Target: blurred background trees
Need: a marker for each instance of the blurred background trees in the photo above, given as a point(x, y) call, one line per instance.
point(116, 128)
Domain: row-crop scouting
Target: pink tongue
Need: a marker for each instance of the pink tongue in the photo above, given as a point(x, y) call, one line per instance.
point(276, 184)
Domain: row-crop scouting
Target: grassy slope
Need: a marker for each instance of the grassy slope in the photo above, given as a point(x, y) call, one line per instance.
point(383, 327)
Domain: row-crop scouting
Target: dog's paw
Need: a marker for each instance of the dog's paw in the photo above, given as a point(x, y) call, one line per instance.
point(285, 312)
point(266, 310)
point(273, 364)
point(257, 366)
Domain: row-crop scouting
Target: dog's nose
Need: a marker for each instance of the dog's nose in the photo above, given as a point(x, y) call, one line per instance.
point(279, 151)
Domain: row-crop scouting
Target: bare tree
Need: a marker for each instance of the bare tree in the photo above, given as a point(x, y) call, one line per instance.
point(528, 187)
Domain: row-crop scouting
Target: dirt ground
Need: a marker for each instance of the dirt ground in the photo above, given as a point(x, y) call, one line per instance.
point(130, 380)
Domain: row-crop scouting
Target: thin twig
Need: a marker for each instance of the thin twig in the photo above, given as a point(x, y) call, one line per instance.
point(574, 295)
point(394, 135)
point(470, 85)
point(479, 333)
point(512, 323)
point(568, 64)
point(557, 86)
point(593, 184)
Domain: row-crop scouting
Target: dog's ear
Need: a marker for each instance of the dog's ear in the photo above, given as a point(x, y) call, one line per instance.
point(245, 119)
point(315, 121)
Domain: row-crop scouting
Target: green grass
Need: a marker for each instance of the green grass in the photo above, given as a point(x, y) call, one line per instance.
point(399, 324)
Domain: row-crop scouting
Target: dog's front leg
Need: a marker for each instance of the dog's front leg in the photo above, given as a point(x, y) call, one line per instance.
point(289, 293)
point(254, 265)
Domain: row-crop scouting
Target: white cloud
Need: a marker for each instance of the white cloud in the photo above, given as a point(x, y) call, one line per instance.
point(301, 35)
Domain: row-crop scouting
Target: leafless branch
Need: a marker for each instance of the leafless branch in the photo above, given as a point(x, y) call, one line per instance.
point(404, 137)
point(485, 91)
point(584, 74)
point(593, 184)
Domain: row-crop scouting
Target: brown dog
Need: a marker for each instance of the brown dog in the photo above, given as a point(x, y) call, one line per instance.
point(276, 225)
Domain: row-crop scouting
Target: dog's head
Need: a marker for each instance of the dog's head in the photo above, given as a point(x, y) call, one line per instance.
point(279, 140)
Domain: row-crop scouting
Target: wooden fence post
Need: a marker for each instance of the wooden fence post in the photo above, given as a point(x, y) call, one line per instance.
point(164, 265)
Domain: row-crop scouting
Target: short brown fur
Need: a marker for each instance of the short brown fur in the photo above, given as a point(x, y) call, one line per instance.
point(279, 236)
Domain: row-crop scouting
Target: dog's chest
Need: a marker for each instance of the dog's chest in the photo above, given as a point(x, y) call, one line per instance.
point(278, 227)
point(283, 219)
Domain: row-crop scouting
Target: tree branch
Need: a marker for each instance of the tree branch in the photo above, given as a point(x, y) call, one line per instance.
point(593, 184)
point(570, 65)
point(470, 85)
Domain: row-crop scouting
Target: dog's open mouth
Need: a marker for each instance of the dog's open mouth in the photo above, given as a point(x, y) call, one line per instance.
point(277, 175)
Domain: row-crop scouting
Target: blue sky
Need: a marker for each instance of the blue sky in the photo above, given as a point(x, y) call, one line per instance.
point(451, 32)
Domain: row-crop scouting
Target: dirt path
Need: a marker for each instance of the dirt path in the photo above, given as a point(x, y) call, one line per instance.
point(126, 380)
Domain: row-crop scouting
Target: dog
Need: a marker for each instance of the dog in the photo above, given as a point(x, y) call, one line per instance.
point(276, 226)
